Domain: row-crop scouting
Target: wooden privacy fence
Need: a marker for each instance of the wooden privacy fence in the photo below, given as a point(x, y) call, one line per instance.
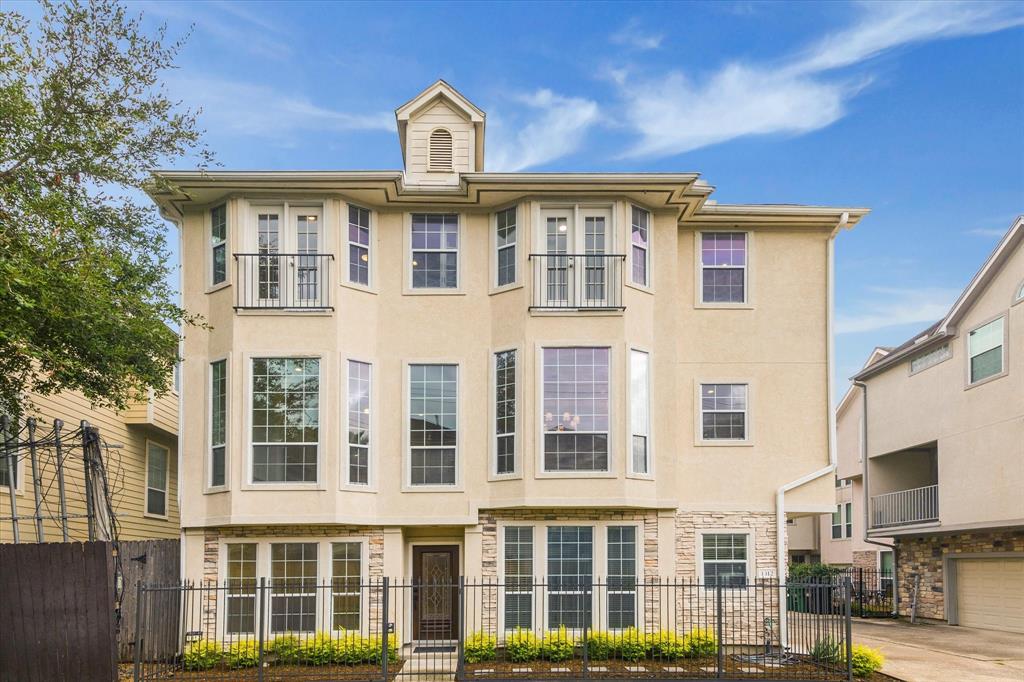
point(57, 612)
point(59, 616)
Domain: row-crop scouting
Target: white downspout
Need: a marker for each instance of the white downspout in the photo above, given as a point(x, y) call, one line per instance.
point(780, 494)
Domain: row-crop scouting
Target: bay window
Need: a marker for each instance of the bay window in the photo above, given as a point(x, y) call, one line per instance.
point(505, 411)
point(285, 420)
point(293, 575)
point(218, 422)
point(575, 409)
point(358, 423)
point(358, 245)
point(433, 424)
point(435, 251)
point(640, 411)
point(505, 243)
point(640, 237)
point(218, 244)
point(621, 576)
point(570, 573)
point(346, 584)
point(518, 568)
point(241, 589)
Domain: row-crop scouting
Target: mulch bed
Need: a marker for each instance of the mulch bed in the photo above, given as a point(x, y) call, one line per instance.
point(274, 673)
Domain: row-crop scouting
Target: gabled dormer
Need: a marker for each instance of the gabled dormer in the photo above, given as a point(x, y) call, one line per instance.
point(442, 135)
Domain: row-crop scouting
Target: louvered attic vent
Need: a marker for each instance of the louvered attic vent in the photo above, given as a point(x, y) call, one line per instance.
point(440, 150)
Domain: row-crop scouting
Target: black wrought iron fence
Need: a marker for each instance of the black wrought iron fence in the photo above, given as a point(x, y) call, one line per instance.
point(577, 281)
point(872, 591)
point(488, 630)
point(283, 280)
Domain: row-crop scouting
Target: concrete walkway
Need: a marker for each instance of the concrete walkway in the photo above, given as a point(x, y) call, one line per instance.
point(927, 652)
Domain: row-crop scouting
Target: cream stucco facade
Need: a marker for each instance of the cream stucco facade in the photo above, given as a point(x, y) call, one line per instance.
point(634, 296)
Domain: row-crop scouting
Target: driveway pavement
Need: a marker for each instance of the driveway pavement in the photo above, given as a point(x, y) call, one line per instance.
point(927, 652)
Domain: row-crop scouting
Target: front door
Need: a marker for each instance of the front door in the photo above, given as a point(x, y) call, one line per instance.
point(435, 570)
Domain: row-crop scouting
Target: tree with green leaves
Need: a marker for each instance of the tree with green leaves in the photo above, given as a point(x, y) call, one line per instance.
point(85, 302)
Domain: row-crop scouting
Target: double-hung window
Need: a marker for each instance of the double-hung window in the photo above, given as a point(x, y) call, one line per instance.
point(985, 350)
point(570, 574)
point(435, 251)
point(346, 584)
point(9, 456)
point(505, 411)
point(293, 574)
point(621, 576)
point(723, 412)
point(575, 409)
point(156, 479)
point(640, 411)
point(641, 225)
point(358, 245)
point(218, 244)
point(433, 424)
point(285, 420)
point(837, 523)
point(359, 375)
point(505, 243)
point(725, 559)
point(241, 589)
point(218, 422)
point(518, 577)
point(848, 508)
point(723, 267)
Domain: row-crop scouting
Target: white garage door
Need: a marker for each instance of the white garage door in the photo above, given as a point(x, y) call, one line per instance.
point(990, 593)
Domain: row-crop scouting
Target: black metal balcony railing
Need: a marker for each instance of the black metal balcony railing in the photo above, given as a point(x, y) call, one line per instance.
point(576, 281)
point(283, 281)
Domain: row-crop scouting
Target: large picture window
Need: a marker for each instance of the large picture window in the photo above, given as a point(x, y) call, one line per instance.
point(575, 409)
point(641, 225)
point(725, 559)
point(358, 245)
point(218, 244)
point(505, 242)
point(723, 262)
point(518, 577)
point(985, 350)
point(433, 423)
point(293, 574)
point(723, 411)
point(346, 582)
point(241, 589)
point(285, 419)
point(218, 422)
point(570, 571)
point(435, 251)
point(359, 374)
point(640, 411)
point(505, 411)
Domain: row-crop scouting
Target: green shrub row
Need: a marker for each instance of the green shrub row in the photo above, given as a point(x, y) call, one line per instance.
point(863, 659)
point(522, 646)
point(345, 648)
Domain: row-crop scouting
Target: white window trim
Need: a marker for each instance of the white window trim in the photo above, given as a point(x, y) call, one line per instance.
point(848, 519)
point(210, 286)
point(492, 469)
point(630, 473)
point(698, 420)
point(371, 452)
point(628, 239)
point(460, 269)
point(19, 470)
point(613, 406)
point(167, 483)
point(247, 444)
point(540, 565)
point(207, 488)
point(751, 554)
point(407, 486)
point(324, 554)
point(371, 249)
point(516, 283)
point(1018, 296)
point(748, 271)
point(1005, 354)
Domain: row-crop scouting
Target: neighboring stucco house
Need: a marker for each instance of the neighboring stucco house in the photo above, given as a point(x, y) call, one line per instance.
point(431, 370)
point(140, 458)
point(943, 429)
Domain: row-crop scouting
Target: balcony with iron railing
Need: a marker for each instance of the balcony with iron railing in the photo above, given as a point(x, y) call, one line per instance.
point(574, 281)
point(905, 507)
point(283, 281)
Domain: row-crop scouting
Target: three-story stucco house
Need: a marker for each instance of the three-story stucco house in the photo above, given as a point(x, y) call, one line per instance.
point(439, 371)
point(942, 432)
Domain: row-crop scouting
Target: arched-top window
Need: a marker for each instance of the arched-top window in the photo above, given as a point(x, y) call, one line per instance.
point(440, 156)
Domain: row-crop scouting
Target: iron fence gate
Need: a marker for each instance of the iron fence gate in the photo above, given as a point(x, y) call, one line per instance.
point(348, 629)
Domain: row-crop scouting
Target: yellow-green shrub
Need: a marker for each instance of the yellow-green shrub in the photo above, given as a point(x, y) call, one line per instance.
point(701, 643)
point(668, 645)
point(557, 645)
point(320, 649)
point(632, 645)
point(480, 647)
point(201, 655)
point(864, 660)
point(522, 646)
point(286, 649)
point(242, 654)
point(601, 645)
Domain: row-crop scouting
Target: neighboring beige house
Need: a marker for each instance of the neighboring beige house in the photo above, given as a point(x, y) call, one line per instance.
point(944, 436)
point(428, 371)
point(141, 461)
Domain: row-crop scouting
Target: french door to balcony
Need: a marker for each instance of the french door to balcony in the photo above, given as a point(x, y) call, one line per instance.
point(289, 262)
point(575, 263)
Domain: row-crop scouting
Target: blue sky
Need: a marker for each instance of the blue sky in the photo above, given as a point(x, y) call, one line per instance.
point(913, 110)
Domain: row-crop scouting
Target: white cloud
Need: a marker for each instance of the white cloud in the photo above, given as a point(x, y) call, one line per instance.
point(632, 35)
point(892, 307)
point(549, 127)
point(676, 112)
point(228, 23)
point(246, 109)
